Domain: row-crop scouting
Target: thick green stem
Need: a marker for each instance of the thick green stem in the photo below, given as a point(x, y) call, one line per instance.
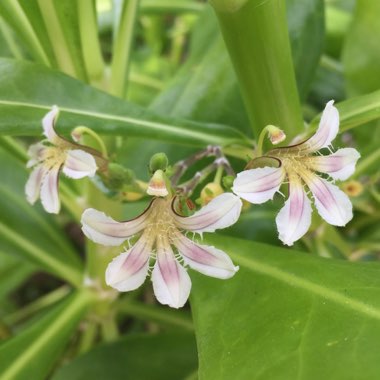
point(92, 54)
point(13, 13)
point(256, 35)
point(8, 36)
point(57, 38)
point(122, 48)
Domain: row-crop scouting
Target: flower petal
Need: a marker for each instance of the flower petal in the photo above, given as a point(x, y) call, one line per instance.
point(33, 185)
point(327, 130)
point(35, 152)
point(258, 185)
point(339, 165)
point(221, 212)
point(205, 259)
point(49, 191)
point(79, 164)
point(294, 219)
point(48, 123)
point(128, 270)
point(102, 229)
point(171, 282)
point(332, 203)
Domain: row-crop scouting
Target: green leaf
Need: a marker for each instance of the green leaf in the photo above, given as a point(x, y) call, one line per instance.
point(356, 111)
point(136, 357)
point(32, 353)
point(27, 231)
point(27, 91)
point(287, 315)
point(361, 53)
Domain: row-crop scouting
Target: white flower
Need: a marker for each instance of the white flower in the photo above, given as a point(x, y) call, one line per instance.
point(298, 165)
point(160, 228)
point(48, 158)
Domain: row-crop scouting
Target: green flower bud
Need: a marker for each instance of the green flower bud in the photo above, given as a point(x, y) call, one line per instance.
point(158, 161)
point(228, 181)
point(118, 176)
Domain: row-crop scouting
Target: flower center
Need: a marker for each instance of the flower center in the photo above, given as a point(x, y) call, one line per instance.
point(160, 221)
point(54, 156)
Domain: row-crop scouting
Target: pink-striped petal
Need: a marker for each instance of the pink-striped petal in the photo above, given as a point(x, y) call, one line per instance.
point(332, 204)
point(258, 185)
point(171, 282)
point(221, 212)
point(327, 130)
point(128, 271)
point(102, 229)
point(49, 191)
point(33, 185)
point(48, 124)
point(339, 165)
point(205, 259)
point(294, 219)
point(79, 164)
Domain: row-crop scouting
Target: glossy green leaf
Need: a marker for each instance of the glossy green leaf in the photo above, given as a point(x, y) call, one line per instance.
point(136, 357)
point(361, 54)
point(32, 353)
point(27, 91)
point(287, 315)
point(38, 238)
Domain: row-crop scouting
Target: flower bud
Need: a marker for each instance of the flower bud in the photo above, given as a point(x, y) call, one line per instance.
point(228, 181)
point(210, 191)
point(157, 184)
point(352, 188)
point(158, 161)
point(275, 134)
point(119, 176)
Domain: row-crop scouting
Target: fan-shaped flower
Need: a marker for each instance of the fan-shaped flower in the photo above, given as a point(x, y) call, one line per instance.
point(299, 165)
point(160, 228)
point(51, 156)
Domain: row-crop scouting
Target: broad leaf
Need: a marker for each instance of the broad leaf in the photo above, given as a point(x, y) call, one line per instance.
point(136, 357)
point(287, 315)
point(32, 353)
point(27, 92)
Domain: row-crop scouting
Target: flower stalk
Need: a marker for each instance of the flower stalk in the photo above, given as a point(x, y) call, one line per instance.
point(256, 36)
